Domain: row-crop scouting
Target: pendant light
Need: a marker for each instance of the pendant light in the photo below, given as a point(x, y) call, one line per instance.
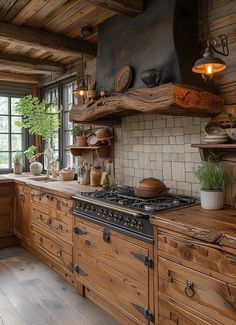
point(81, 86)
point(209, 63)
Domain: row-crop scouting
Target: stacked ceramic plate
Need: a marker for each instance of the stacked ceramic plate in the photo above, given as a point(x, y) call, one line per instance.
point(215, 134)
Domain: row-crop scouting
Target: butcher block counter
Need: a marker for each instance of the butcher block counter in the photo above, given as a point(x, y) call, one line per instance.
point(63, 188)
point(195, 266)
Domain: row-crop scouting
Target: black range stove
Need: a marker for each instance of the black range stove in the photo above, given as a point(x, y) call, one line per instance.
point(121, 210)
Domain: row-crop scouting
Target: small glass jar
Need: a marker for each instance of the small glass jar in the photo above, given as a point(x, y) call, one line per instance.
point(95, 176)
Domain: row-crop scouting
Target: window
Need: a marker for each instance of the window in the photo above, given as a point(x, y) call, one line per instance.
point(51, 96)
point(68, 100)
point(11, 137)
point(62, 94)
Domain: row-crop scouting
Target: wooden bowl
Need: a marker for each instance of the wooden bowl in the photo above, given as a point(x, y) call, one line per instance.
point(150, 188)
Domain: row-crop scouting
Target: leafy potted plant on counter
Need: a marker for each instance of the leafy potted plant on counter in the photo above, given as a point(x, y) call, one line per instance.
point(79, 136)
point(17, 160)
point(35, 166)
point(212, 178)
point(40, 118)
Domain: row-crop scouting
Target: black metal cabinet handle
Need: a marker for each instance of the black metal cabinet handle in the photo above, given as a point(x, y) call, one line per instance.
point(87, 242)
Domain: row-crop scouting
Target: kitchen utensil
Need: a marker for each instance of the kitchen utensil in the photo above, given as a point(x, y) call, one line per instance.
point(150, 188)
point(151, 77)
point(123, 79)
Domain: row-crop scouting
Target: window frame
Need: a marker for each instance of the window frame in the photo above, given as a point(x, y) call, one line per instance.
point(60, 85)
point(25, 134)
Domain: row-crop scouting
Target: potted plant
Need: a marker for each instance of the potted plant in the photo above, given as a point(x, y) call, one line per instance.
point(78, 134)
point(230, 127)
point(212, 178)
point(35, 166)
point(40, 118)
point(17, 160)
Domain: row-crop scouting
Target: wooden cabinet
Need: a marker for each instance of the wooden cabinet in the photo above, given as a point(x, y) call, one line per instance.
point(22, 214)
point(51, 227)
point(117, 269)
point(6, 214)
point(195, 269)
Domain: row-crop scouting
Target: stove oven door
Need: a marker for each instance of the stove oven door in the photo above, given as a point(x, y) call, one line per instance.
point(114, 267)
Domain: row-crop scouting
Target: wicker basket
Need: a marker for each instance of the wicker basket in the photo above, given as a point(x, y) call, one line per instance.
point(67, 174)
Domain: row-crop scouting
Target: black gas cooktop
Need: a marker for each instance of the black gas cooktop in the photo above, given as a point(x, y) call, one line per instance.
point(125, 197)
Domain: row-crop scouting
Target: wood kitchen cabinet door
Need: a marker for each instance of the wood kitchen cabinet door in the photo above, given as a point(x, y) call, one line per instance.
point(22, 213)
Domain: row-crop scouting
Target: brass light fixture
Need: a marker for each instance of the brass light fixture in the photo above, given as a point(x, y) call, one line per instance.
point(209, 63)
point(81, 86)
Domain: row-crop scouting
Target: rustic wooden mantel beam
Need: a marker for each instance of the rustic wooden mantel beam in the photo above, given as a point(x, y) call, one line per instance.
point(167, 99)
point(20, 64)
point(44, 40)
point(124, 7)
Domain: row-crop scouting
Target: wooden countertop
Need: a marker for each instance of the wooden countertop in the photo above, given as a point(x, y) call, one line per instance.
point(217, 227)
point(61, 188)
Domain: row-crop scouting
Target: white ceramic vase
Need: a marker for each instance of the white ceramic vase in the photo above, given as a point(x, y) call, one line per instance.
point(36, 168)
point(212, 200)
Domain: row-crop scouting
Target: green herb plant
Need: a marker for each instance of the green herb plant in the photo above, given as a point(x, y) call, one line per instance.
point(17, 159)
point(38, 117)
point(30, 152)
point(211, 175)
point(77, 131)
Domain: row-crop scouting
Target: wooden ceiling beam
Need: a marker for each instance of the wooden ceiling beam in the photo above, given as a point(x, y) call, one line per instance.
point(124, 7)
point(44, 40)
point(23, 64)
point(19, 78)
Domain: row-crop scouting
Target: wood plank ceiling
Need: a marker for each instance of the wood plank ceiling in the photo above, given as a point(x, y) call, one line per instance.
point(39, 37)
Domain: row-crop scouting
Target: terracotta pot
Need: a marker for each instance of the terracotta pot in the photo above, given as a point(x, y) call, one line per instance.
point(150, 188)
point(212, 200)
point(81, 141)
point(17, 169)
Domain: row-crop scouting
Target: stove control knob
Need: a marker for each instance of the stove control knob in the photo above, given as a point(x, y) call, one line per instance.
point(127, 221)
point(120, 218)
point(140, 224)
point(116, 216)
point(105, 213)
point(110, 216)
point(134, 223)
point(100, 212)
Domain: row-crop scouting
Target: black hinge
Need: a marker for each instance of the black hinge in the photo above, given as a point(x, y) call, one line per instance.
point(79, 231)
point(78, 270)
point(144, 258)
point(145, 312)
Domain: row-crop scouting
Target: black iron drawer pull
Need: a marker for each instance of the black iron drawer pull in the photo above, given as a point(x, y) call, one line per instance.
point(189, 289)
point(87, 242)
point(106, 235)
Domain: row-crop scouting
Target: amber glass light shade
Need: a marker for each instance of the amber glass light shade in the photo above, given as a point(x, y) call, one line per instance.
point(209, 64)
point(81, 89)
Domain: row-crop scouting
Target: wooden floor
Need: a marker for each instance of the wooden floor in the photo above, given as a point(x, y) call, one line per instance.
point(31, 293)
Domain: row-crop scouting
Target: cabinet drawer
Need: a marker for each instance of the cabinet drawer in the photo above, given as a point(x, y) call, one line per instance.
point(170, 314)
point(57, 249)
point(212, 257)
point(117, 253)
point(52, 201)
point(118, 289)
point(213, 298)
point(58, 223)
point(5, 189)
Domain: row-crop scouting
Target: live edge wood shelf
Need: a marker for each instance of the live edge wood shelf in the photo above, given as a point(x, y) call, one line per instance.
point(168, 99)
point(224, 151)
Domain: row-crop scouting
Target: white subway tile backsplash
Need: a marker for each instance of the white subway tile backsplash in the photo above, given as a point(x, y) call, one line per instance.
point(159, 146)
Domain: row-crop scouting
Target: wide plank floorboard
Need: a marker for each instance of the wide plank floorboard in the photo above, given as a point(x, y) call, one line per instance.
point(33, 294)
